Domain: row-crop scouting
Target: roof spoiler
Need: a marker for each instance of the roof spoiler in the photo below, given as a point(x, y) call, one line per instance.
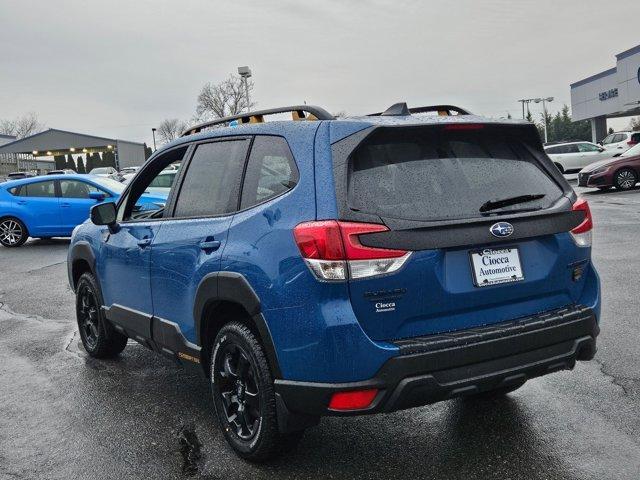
point(298, 112)
point(401, 109)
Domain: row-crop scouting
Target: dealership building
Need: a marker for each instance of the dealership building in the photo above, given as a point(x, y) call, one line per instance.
point(610, 94)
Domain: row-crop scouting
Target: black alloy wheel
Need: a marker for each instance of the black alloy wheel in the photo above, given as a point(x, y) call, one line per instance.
point(88, 317)
point(99, 338)
point(244, 397)
point(236, 379)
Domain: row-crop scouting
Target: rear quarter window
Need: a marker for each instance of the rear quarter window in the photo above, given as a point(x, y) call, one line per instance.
point(429, 174)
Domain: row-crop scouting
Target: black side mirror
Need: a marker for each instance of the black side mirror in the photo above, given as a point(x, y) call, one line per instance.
point(98, 196)
point(104, 214)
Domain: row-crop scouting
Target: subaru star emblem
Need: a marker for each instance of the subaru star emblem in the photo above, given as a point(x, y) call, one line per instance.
point(501, 229)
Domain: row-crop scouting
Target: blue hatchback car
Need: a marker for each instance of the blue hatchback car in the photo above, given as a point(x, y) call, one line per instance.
point(53, 205)
point(344, 267)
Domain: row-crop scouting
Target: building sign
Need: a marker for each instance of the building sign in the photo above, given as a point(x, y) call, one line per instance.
point(611, 93)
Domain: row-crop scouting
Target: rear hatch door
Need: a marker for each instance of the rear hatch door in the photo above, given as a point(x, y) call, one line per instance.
point(485, 219)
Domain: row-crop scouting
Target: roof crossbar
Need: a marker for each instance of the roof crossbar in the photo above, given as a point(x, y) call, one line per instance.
point(401, 109)
point(298, 112)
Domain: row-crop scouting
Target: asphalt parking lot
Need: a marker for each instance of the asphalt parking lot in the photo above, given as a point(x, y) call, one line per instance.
point(64, 415)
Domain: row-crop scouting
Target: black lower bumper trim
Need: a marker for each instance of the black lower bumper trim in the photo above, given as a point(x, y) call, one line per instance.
point(475, 361)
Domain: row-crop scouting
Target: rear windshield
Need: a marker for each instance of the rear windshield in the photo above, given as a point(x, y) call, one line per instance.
point(432, 174)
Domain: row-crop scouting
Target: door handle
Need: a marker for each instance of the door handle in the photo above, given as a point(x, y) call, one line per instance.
point(211, 245)
point(65, 204)
point(21, 202)
point(144, 242)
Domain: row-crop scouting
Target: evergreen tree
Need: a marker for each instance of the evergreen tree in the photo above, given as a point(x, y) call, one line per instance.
point(109, 159)
point(147, 151)
point(89, 162)
point(61, 162)
point(80, 162)
point(70, 163)
point(610, 131)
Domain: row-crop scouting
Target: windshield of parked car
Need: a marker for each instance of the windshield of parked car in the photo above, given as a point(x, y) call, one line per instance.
point(100, 170)
point(109, 184)
point(432, 174)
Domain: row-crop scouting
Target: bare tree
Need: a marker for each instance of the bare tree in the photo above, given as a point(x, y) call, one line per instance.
point(170, 129)
point(223, 99)
point(22, 126)
point(634, 124)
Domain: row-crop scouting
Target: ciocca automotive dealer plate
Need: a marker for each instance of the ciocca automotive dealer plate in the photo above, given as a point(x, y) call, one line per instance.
point(492, 266)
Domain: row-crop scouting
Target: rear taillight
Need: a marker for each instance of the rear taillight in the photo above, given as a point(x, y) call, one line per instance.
point(582, 233)
point(354, 400)
point(333, 251)
point(631, 143)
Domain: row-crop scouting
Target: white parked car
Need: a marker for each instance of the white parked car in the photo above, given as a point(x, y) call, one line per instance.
point(574, 156)
point(162, 183)
point(103, 171)
point(620, 141)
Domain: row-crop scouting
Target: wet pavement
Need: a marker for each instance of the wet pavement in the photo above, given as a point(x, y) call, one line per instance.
point(64, 415)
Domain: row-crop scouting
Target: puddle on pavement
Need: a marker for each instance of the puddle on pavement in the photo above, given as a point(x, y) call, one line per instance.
point(190, 449)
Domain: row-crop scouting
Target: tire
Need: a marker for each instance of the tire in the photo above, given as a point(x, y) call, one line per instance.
point(495, 393)
point(13, 232)
point(559, 167)
point(99, 338)
point(241, 382)
point(625, 179)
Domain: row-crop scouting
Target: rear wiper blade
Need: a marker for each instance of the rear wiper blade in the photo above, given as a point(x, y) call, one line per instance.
point(505, 202)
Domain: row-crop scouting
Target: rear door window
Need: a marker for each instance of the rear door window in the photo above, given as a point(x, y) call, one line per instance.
point(431, 174)
point(38, 189)
point(212, 181)
point(554, 150)
point(271, 171)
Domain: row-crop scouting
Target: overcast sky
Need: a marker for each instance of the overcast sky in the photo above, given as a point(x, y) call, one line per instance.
point(117, 68)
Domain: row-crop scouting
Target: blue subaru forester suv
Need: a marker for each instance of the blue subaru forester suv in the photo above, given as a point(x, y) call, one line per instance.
point(344, 266)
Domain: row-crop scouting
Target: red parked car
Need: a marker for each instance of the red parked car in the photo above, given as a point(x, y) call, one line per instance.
point(621, 171)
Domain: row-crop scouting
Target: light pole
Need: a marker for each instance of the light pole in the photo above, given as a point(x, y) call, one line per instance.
point(544, 109)
point(153, 132)
point(245, 73)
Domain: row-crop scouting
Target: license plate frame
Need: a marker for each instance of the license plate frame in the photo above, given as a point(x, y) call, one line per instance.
point(498, 279)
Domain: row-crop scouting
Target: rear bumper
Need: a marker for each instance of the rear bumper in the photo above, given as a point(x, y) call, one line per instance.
point(439, 367)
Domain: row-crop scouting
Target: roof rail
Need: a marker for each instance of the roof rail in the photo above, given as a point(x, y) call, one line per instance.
point(297, 113)
point(401, 109)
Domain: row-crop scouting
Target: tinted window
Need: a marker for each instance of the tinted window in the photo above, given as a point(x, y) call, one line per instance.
point(429, 174)
point(587, 148)
point(271, 171)
point(39, 189)
point(554, 150)
point(212, 180)
point(77, 189)
point(608, 139)
point(618, 138)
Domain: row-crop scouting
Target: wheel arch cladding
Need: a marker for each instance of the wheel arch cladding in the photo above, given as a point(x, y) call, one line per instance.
point(81, 260)
point(224, 294)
